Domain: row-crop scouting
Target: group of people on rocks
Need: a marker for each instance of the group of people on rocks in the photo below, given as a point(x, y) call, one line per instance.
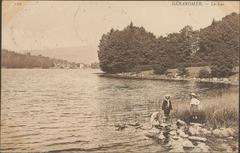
point(194, 107)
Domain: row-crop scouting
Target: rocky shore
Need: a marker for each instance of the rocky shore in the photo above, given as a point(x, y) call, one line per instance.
point(146, 76)
point(193, 137)
point(179, 136)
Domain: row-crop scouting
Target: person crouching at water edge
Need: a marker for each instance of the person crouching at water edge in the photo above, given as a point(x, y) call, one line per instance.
point(194, 106)
point(166, 107)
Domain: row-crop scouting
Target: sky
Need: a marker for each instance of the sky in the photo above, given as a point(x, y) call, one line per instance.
point(52, 25)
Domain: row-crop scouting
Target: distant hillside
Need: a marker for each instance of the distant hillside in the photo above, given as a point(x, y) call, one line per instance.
point(11, 59)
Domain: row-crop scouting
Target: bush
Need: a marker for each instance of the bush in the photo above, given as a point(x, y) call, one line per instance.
point(182, 71)
point(160, 69)
point(204, 73)
point(221, 70)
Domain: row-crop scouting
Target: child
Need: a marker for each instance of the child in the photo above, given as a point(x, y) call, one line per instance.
point(166, 107)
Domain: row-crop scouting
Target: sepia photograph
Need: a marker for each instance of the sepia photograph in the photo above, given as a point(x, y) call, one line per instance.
point(120, 76)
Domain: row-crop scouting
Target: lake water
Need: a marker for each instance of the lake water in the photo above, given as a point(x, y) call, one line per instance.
point(76, 110)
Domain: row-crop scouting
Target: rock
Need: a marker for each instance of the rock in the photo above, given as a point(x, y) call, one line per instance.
point(168, 145)
point(134, 124)
point(183, 135)
point(178, 141)
point(120, 126)
point(150, 135)
point(161, 136)
point(154, 130)
point(230, 138)
point(205, 131)
point(224, 132)
point(197, 149)
point(175, 137)
point(195, 138)
point(181, 123)
point(226, 147)
point(187, 144)
point(153, 133)
point(165, 125)
point(227, 132)
point(217, 132)
point(173, 132)
point(196, 124)
point(193, 130)
point(177, 149)
point(201, 147)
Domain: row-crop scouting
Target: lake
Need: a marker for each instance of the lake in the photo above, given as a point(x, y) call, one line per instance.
point(76, 110)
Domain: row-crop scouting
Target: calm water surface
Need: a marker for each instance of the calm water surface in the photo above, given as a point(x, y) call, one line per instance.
point(76, 110)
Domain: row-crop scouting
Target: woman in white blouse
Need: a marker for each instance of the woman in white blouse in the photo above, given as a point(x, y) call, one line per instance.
point(194, 106)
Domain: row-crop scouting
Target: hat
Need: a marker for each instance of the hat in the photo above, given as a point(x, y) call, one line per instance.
point(167, 96)
point(193, 94)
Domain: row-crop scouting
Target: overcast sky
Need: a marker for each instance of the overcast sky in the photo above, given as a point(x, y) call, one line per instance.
point(50, 24)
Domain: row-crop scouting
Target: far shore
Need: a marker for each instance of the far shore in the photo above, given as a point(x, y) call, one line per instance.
point(135, 75)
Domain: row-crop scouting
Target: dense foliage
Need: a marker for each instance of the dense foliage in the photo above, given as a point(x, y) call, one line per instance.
point(134, 47)
point(121, 51)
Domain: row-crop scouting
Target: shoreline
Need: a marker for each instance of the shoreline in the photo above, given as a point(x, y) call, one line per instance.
point(164, 78)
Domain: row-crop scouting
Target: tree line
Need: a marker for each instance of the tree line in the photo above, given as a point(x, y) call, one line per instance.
point(135, 49)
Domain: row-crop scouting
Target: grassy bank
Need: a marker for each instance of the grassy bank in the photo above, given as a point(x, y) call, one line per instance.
point(216, 112)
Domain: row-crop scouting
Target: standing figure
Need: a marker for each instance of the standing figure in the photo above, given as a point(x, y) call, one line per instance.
point(194, 106)
point(166, 107)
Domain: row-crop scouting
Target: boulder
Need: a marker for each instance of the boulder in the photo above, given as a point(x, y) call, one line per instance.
point(175, 137)
point(196, 124)
point(183, 135)
point(173, 132)
point(134, 124)
point(205, 131)
point(161, 136)
point(194, 130)
point(165, 125)
point(181, 123)
point(187, 144)
point(227, 132)
point(201, 147)
point(230, 138)
point(223, 132)
point(177, 142)
point(217, 132)
point(153, 133)
point(195, 138)
point(177, 149)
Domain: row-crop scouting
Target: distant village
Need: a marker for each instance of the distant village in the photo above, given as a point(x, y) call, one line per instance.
point(64, 64)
